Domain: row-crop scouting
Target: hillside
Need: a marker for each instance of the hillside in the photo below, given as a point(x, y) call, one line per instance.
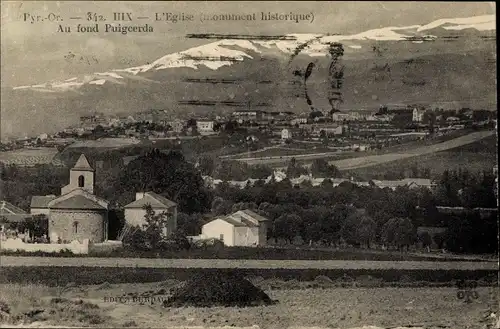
point(481, 155)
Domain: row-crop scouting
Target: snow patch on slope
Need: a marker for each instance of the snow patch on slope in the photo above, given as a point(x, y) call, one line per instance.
point(480, 23)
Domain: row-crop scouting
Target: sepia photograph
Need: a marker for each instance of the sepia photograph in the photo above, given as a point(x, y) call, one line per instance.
point(249, 165)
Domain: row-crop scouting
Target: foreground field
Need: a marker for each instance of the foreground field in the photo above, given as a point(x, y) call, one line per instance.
point(121, 305)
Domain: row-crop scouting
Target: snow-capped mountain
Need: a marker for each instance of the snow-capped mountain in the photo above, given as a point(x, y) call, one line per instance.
point(446, 63)
point(227, 52)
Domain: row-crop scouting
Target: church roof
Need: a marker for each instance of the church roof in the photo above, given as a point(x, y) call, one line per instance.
point(77, 202)
point(41, 201)
point(153, 199)
point(82, 164)
point(79, 199)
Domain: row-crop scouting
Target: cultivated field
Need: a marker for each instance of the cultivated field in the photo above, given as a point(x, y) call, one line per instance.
point(12, 261)
point(106, 143)
point(28, 157)
point(476, 156)
point(378, 159)
point(139, 305)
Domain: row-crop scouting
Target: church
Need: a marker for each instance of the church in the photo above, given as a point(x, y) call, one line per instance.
point(77, 214)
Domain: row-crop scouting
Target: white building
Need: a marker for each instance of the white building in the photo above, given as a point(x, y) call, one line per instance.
point(418, 115)
point(206, 126)
point(135, 212)
point(243, 228)
point(341, 116)
point(286, 134)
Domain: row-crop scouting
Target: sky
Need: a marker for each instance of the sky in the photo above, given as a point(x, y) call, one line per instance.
point(35, 52)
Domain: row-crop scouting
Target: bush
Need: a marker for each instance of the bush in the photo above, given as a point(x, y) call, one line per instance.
point(137, 239)
point(209, 243)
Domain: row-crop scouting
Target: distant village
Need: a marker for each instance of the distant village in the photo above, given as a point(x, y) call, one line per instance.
point(349, 130)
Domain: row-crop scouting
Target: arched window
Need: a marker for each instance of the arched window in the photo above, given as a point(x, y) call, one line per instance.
point(75, 227)
point(81, 181)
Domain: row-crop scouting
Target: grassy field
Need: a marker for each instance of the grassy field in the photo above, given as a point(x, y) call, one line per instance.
point(476, 156)
point(298, 307)
point(393, 153)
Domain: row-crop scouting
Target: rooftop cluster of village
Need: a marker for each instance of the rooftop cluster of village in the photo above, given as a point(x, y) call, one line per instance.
point(347, 129)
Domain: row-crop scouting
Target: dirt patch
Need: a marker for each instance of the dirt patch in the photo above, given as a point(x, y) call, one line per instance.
point(210, 290)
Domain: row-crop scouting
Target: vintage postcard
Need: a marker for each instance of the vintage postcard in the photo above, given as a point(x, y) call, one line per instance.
point(241, 164)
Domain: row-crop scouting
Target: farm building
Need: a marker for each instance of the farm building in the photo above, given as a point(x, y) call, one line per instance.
point(135, 212)
point(242, 228)
point(77, 214)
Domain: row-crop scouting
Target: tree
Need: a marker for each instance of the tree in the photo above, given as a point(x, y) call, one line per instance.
point(260, 171)
point(231, 126)
point(154, 226)
point(439, 239)
point(217, 126)
point(426, 239)
point(327, 184)
point(321, 168)
point(38, 225)
point(206, 165)
point(98, 132)
point(191, 123)
point(194, 131)
point(189, 224)
point(315, 114)
point(388, 232)
point(295, 170)
point(286, 226)
point(404, 233)
point(366, 231)
point(168, 174)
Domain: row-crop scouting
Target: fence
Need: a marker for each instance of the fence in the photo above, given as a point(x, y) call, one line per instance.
point(18, 245)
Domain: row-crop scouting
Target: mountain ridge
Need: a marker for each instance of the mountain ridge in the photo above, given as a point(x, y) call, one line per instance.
point(316, 46)
point(446, 64)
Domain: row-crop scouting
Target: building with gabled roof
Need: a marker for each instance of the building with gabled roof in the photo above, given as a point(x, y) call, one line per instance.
point(40, 204)
point(242, 228)
point(77, 214)
point(135, 211)
point(11, 214)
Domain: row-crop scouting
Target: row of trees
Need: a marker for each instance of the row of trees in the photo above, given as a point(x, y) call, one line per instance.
point(356, 215)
